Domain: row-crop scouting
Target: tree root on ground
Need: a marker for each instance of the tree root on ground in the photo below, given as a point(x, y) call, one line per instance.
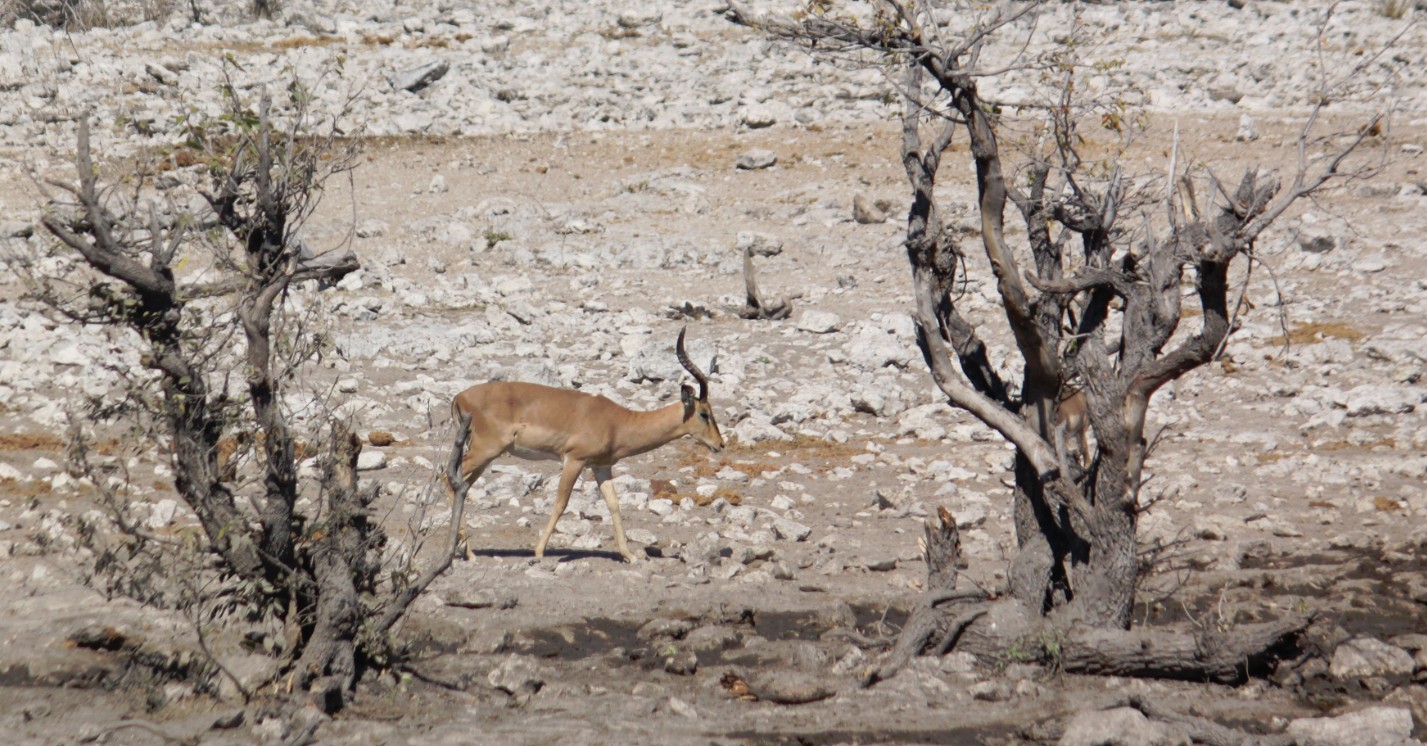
point(949, 618)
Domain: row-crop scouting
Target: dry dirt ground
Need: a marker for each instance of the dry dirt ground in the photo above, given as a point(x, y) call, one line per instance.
point(1253, 541)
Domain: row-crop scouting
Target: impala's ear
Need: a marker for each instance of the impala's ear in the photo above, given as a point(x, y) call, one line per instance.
point(686, 395)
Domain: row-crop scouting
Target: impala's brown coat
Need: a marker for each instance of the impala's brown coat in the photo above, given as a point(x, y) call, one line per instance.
point(532, 421)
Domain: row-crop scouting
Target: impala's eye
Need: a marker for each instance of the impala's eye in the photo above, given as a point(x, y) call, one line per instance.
point(704, 416)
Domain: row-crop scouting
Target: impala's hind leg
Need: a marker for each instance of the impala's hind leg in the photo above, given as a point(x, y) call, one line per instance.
point(479, 454)
point(572, 470)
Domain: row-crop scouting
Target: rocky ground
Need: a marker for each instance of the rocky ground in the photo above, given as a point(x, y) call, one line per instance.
point(560, 198)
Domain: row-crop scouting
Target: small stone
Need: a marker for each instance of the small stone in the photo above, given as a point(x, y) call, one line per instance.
point(759, 243)
point(1225, 93)
point(1248, 132)
point(996, 690)
point(884, 564)
point(1364, 657)
point(756, 159)
point(1120, 727)
point(650, 689)
point(670, 629)
point(639, 18)
point(518, 676)
point(1371, 399)
point(415, 78)
point(16, 229)
point(371, 461)
point(1315, 239)
point(162, 513)
point(787, 528)
point(681, 663)
point(819, 322)
point(759, 116)
point(160, 73)
point(1373, 726)
point(789, 687)
point(229, 721)
point(865, 212)
point(683, 709)
point(371, 228)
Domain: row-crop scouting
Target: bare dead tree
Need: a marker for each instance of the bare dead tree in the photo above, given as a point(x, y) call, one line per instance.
point(316, 572)
point(1093, 296)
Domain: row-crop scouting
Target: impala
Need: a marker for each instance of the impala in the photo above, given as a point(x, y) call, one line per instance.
point(531, 421)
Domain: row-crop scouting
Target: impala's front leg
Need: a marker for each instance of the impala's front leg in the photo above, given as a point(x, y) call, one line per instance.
point(602, 476)
point(572, 470)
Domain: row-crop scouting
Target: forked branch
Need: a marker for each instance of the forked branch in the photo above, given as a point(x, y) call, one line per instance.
point(459, 488)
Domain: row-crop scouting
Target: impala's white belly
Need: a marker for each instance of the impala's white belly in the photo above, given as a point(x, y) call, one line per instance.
point(531, 454)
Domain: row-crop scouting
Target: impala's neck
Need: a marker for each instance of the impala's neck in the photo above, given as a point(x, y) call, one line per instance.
point(649, 430)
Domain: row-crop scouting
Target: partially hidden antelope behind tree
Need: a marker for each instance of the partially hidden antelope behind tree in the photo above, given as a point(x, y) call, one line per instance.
point(537, 422)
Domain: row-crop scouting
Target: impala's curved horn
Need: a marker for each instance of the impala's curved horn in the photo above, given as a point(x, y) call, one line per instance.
point(689, 366)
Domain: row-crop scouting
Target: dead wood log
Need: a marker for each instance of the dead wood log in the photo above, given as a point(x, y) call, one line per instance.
point(941, 546)
point(943, 621)
point(1203, 730)
point(1222, 657)
point(1227, 657)
point(755, 307)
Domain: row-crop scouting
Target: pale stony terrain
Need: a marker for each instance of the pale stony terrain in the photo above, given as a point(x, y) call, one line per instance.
point(561, 201)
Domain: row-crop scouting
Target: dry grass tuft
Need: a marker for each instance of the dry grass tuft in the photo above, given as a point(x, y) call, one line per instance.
point(31, 442)
point(758, 459)
point(299, 42)
point(1317, 331)
point(1386, 504)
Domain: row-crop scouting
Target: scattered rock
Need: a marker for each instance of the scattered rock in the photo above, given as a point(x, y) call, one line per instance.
point(712, 638)
point(518, 676)
point(683, 709)
point(162, 513)
point(229, 721)
point(1370, 399)
point(681, 663)
point(786, 528)
point(819, 322)
point(1364, 657)
point(790, 687)
point(415, 78)
point(1373, 726)
point(1122, 726)
point(371, 461)
point(1248, 131)
point(1315, 238)
point(634, 19)
point(16, 229)
point(759, 243)
point(756, 159)
point(667, 629)
point(759, 116)
point(882, 564)
point(865, 212)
